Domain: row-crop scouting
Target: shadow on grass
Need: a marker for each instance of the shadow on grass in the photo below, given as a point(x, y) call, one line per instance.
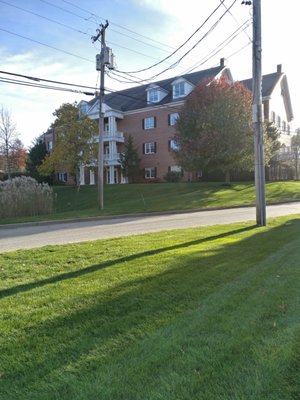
point(75, 274)
point(86, 338)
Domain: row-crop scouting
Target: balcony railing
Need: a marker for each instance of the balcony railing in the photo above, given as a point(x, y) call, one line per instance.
point(108, 136)
point(112, 159)
point(117, 136)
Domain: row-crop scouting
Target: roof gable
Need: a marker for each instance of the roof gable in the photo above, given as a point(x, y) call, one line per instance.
point(269, 83)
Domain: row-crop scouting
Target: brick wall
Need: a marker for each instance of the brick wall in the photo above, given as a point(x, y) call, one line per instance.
point(161, 135)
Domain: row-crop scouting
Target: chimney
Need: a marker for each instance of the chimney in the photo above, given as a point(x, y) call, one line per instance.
point(279, 68)
point(222, 62)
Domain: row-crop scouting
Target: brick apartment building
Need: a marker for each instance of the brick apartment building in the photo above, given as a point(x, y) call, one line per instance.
point(149, 114)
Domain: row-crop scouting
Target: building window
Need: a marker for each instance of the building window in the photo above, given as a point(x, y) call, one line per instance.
point(179, 90)
point(172, 118)
point(177, 169)
point(273, 117)
point(149, 123)
point(153, 96)
point(150, 173)
point(149, 148)
point(278, 122)
point(62, 177)
point(173, 145)
point(283, 126)
point(49, 145)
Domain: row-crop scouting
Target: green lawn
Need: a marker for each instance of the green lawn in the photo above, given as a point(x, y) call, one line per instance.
point(139, 198)
point(209, 313)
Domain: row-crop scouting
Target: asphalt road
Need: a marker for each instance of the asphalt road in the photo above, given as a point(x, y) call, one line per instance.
point(31, 236)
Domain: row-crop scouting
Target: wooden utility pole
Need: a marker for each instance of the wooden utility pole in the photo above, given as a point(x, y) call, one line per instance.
point(257, 113)
point(101, 67)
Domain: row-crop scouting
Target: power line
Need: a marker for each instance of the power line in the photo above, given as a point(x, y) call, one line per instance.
point(47, 45)
point(79, 31)
point(42, 86)
point(236, 21)
point(178, 48)
point(118, 25)
point(63, 9)
point(43, 17)
point(131, 79)
point(45, 80)
point(104, 19)
point(193, 47)
point(221, 46)
point(84, 33)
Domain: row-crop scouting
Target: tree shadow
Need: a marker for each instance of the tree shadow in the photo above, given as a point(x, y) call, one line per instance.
point(130, 308)
point(75, 274)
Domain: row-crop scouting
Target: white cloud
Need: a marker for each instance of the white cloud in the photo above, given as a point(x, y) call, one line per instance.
point(32, 107)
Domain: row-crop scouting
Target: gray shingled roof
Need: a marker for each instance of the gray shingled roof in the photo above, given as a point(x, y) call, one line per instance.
point(136, 98)
point(268, 83)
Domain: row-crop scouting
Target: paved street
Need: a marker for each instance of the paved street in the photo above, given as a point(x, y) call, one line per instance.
point(30, 236)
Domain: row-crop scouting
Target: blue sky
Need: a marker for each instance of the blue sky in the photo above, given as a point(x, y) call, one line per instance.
point(51, 39)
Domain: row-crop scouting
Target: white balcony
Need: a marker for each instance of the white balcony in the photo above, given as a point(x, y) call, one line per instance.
point(112, 159)
point(110, 136)
point(115, 136)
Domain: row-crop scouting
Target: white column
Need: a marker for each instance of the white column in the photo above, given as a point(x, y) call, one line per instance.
point(112, 125)
point(81, 175)
point(111, 175)
point(92, 177)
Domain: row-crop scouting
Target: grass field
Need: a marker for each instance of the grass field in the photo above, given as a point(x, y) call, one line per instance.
point(209, 313)
point(138, 198)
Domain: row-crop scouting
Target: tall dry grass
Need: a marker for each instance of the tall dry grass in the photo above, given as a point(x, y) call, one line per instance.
point(23, 196)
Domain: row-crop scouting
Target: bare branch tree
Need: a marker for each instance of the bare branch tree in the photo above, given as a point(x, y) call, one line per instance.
point(8, 136)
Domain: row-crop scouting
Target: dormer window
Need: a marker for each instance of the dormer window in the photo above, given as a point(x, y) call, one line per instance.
point(155, 94)
point(179, 90)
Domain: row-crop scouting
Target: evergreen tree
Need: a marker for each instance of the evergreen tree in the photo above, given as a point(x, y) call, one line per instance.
point(130, 161)
point(36, 156)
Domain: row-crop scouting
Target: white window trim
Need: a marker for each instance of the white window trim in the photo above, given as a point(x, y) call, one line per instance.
point(173, 145)
point(173, 118)
point(149, 123)
point(150, 173)
point(149, 148)
point(154, 93)
point(176, 168)
point(179, 93)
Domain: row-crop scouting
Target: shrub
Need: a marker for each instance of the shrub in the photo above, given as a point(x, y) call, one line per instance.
point(24, 196)
point(173, 176)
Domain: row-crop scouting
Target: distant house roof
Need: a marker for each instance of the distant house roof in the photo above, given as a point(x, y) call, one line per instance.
point(136, 98)
point(269, 82)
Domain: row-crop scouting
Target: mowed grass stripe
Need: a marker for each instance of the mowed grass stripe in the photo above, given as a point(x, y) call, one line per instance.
point(207, 313)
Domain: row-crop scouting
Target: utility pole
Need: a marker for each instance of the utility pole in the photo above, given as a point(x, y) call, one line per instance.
point(257, 113)
point(100, 66)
